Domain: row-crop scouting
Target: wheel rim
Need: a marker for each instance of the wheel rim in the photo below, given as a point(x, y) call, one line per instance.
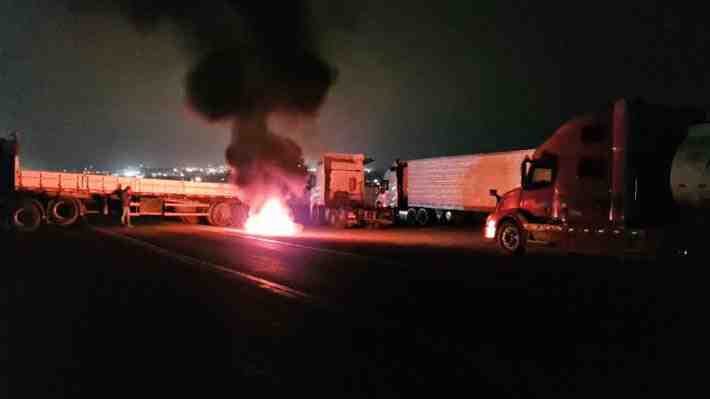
point(510, 238)
point(64, 211)
point(22, 217)
point(26, 218)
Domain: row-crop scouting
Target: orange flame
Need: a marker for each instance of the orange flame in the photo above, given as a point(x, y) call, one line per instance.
point(272, 219)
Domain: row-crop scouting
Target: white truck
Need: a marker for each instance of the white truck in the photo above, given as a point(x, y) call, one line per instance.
point(339, 194)
point(29, 198)
point(422, 191)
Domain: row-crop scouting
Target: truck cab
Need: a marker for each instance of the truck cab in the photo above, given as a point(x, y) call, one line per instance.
point(8, 165)
point(615, 181)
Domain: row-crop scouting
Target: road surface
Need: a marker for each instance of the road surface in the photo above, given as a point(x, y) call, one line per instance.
point(170, 308)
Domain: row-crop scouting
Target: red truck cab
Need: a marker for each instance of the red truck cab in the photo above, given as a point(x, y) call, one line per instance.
point(602, 184)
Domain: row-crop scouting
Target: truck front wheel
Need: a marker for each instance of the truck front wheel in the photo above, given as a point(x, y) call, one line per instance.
point(27, 216)
point(511, 238)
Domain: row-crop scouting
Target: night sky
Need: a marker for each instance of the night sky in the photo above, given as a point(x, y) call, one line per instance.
point(415, 79)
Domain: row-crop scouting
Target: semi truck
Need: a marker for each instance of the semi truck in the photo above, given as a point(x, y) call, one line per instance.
point(30, 198)
point(631, 179)
point(422, 191)
point(339, 195)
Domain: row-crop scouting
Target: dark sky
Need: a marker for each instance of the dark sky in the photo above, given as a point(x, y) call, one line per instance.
point(415, 78)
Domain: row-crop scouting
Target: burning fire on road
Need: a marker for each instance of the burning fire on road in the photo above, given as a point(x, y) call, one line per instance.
point(273, 219)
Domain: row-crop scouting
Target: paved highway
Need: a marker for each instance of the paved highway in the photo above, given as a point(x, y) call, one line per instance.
point(167, 307)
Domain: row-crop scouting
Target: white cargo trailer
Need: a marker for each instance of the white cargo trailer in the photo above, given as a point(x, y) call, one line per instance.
point(424, 190)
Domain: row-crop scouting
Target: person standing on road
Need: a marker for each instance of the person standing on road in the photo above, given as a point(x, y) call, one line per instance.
point(126, 197)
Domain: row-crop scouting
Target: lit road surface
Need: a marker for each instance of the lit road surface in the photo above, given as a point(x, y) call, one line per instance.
point(360, 266)
point(195, 309)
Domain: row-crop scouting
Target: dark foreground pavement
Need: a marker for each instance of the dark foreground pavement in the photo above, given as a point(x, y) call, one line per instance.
point(96, 315)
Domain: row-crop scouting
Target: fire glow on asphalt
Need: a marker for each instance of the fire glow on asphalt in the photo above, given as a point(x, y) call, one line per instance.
point(273, 219)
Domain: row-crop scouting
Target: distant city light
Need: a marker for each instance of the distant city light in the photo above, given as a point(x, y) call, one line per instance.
point(130, 172)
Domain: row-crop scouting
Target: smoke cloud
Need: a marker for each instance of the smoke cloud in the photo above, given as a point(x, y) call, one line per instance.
point(251, 60)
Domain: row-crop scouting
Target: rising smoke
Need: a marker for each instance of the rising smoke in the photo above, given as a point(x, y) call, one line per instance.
point(252, 60)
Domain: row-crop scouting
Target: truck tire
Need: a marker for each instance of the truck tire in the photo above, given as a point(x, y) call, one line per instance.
point(64, 211)
point(27, 216)
point(220, 214)
point(422, 217)
point(511, 238)
point(411, 216)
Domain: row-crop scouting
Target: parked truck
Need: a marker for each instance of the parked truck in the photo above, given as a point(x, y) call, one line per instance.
point(339, 195)
point(630, 179)
point(29, 198)
point(422, 191)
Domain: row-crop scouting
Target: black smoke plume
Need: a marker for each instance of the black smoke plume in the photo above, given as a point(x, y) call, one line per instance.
point(252, 59)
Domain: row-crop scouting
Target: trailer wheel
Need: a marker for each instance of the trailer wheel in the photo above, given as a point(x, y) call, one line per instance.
point(220, 214)
point(341, 219)
point(411, 216)
point(422, 217)
point(448, 217)
point(511, 238)
point(64, 211)
point(27, 216)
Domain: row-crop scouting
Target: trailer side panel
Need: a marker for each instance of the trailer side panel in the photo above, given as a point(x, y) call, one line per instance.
point(462, 182)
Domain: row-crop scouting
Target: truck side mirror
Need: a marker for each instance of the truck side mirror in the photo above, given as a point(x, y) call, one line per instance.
point(524, 172)
point(494, 193)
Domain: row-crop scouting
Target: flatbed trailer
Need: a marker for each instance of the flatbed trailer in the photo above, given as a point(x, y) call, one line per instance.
point(30, 198)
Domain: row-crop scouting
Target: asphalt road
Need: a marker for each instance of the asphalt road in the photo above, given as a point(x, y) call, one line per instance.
point(169, 308)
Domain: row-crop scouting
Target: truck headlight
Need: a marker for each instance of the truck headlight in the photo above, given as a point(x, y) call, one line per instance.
point(490, 229)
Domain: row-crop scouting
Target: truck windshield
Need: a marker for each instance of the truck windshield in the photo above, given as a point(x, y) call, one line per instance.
point(541, 176)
